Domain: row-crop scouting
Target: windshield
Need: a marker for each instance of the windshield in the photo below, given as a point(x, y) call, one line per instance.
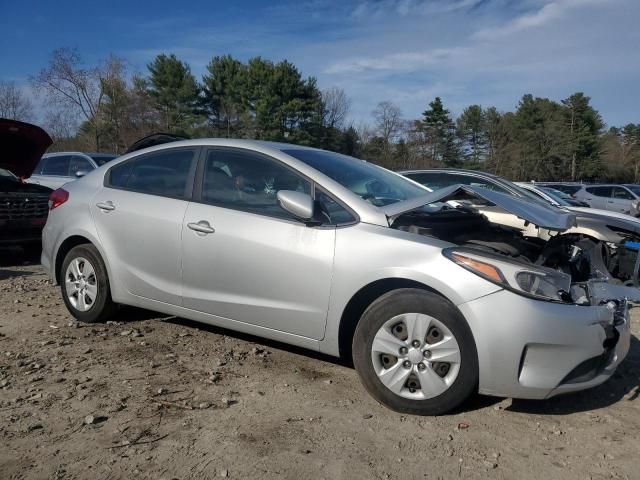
point(373, 183)
point(558, 196)
point(102, 159)
point(634, 188)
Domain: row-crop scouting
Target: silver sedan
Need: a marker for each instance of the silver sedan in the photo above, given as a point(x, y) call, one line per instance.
point(433, 302)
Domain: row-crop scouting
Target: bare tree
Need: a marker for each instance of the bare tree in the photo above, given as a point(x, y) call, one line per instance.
point(70, 85)
point(13, 103)
point(336, 106)
point(388, 118)
point(389, 124)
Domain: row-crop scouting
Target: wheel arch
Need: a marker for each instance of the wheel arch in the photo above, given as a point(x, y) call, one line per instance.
point(64, 248)
point(361, 300)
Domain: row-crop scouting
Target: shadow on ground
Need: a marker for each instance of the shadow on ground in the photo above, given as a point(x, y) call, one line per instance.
point(625, 380)
point(16, 257)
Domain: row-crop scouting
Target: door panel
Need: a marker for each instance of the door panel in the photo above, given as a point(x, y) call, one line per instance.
point(620, 200)
point(139, 214)
point(257, 269)
point(141, 235)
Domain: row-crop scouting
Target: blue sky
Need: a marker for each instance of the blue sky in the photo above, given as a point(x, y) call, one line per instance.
point(489, 52)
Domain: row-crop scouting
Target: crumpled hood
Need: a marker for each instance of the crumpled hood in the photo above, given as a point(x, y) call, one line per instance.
point(538, 214)
point(607, 214)
point(21, 146)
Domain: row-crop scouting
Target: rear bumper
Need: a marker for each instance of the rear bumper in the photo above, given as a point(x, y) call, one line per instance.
point(535, 349)
point(48, 253)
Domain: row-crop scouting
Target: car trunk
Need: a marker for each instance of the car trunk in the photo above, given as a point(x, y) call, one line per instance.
point(23, 206)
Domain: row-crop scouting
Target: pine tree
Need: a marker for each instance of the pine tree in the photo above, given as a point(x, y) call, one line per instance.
point(174, 91)
point(440, 134)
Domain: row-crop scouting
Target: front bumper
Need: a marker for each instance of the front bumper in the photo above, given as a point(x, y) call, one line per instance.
point(16, 232)
point(535, 349)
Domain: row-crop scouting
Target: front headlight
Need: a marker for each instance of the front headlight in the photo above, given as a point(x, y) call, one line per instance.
point(522, 278)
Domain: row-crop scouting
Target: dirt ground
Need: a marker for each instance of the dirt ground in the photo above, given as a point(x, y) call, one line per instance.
point(157, 397)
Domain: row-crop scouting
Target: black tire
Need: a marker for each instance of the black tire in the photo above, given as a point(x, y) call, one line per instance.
point(411, 300)
point(103, 307)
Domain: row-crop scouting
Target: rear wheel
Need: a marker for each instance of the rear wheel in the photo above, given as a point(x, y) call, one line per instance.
point(85, 285)
point(415, 353)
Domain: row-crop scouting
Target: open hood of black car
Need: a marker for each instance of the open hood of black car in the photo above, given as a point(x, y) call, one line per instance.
point(21, 146)
point(538, 214)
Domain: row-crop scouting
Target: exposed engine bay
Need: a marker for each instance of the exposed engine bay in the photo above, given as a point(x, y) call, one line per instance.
point(593, 266)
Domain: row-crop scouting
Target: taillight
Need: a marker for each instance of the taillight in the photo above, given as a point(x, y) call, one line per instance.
point(57, 198)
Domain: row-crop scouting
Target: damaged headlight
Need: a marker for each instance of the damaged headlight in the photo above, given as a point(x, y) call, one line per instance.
point(526, 279)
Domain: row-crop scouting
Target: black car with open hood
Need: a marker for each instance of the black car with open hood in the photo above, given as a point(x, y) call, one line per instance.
point(23, 206)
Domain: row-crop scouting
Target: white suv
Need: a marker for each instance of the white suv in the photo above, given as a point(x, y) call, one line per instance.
point(56, 169)
point(616, 198)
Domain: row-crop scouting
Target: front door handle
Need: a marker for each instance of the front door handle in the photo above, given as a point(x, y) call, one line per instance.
point(201, 227)
point(106, 206)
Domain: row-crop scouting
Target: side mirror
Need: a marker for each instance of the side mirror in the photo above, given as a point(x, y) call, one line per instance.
point(298, 204)
point(81, 173)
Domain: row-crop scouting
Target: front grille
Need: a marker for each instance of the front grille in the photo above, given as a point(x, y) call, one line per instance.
point(20, 206)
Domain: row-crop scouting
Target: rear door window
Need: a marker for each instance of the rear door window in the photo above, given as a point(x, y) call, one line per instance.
point(600, 191)
point(164, 173)
point(57, 166)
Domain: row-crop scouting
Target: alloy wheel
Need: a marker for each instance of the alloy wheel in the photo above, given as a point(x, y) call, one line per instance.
point(81, 284)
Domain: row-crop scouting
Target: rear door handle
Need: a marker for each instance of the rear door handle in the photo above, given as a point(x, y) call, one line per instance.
point(201, 227)
point(106, 206)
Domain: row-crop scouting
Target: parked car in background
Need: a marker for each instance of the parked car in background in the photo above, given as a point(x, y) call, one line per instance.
point(338, 255)
point(555, 195)
point(614, 234)
point(23, 206)
point(569, 188)
point(615, 198)
point(56, 169)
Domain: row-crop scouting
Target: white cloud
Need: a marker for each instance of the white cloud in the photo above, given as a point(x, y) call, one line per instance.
point(549, 12)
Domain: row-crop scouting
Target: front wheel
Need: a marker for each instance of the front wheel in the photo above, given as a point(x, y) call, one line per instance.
point(85, 285)
point(415, 353)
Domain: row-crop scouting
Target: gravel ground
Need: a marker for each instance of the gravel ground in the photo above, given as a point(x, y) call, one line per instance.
point(147, 396)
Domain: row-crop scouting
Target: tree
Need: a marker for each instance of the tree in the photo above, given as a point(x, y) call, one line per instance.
point(174, 92)
point(621, 153)
point(14, 104)
point(388, 126)
point(71, 86)
point(440, 134)
point(336, 105)
point(584, 127)
point(224, 89)
point(471, 131)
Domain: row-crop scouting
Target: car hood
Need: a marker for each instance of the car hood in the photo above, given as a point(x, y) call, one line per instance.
point(541, 215)
point(612, 219)
point(596, 212)
point(22, 145)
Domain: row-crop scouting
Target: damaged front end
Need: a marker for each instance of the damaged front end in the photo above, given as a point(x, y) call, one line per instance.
point(566, 268)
